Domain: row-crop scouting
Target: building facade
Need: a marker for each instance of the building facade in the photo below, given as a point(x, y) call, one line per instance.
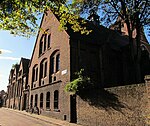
point(17, 88)
point(3, 98)
point(57, 55)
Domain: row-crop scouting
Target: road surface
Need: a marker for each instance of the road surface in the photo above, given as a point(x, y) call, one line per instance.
point(12, 118)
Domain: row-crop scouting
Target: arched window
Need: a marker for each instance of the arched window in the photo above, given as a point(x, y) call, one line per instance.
point(43, 71)
point(34, 75)
point(31, 101)
point(44, 42)
point(55, 62)
point(36, 100)
point(41, 45)
point(56, 99)
point(48, 100)
point(54, 65)
point(41, 100)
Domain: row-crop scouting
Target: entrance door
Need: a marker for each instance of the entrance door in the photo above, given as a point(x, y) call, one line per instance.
point(25, 102)
point(73, 111)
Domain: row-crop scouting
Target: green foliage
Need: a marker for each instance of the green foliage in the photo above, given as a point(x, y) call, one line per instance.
point(111, 9)
point(20, 16)
point(133, 13)
point(14, 65)
point(79, 84)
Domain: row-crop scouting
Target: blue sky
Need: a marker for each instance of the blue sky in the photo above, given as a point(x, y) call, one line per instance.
point(13, 49)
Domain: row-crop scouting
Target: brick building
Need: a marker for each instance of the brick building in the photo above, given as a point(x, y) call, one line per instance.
point(57, 55)
point(3, 98)
point(17, 87)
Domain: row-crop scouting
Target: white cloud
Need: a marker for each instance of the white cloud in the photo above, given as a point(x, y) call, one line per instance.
point(8, 58)
point(5, 51)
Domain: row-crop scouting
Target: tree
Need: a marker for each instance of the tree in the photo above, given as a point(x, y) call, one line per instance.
point(14, 65)
point(134, 13)
point(20, 16)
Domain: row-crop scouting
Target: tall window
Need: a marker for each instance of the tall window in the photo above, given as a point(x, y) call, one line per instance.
point(41, 100)
point(31, 101)
point(34, 75)
point(57, 62)
point(45, 37)
point(44, 42)
point(36, 100)
point(56, 98)
point(48, 100)
point(49, 40)
point(52, 65)
point(41, 47)
point(45, 69)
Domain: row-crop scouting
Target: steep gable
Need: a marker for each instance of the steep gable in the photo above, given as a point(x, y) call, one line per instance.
point(49, 40)
point(48, 22)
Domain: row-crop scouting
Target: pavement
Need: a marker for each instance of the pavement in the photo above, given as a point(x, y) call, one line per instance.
point(45, 118)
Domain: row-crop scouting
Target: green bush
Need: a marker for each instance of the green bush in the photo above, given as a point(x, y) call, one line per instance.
point(78, 84)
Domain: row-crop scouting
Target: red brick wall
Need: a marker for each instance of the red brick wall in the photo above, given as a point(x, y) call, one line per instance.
point(59, 41)
point(116, 106)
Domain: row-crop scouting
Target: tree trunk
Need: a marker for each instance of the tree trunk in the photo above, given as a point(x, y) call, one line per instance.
point(132, 54)
point(138, 49)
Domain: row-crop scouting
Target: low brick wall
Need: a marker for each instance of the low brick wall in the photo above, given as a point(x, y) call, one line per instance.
point(116, 106)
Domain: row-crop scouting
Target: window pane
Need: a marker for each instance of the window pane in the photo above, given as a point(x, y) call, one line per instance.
point(36, 100)
point(36, 77)
point(56, 99)
point(58, 62)
point(48, 100)
point(31, 102)
point(45, 36)
point(49, 39)
point(45, 70)
point(41, 70)
point(52, 65)
point(41, 100)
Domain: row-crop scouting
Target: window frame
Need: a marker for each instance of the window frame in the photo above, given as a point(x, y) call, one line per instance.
point(41, 100)
point(36, 100)
point(48, 100)
point(56, 100)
